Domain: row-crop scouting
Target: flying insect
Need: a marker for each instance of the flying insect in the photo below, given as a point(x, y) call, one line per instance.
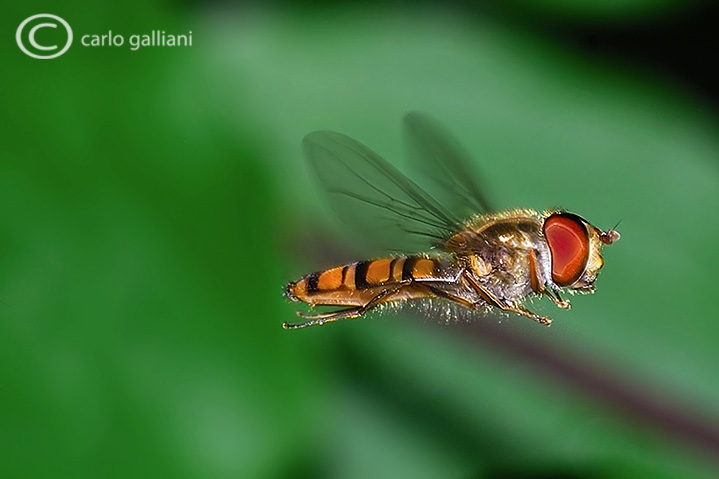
point(473, 257)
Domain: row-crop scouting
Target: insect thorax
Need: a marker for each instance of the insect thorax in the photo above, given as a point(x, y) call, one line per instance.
point(501, 248)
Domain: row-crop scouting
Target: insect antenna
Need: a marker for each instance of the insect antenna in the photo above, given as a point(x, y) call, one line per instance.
point(612, 235)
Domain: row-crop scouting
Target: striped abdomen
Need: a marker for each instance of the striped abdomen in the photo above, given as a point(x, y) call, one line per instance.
point(357, 283)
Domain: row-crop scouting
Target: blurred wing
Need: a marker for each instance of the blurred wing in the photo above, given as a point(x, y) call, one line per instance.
point(444, 162)
point(374, 198)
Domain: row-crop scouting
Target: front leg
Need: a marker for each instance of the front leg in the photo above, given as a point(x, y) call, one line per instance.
point(556, 299)
point(538, 285)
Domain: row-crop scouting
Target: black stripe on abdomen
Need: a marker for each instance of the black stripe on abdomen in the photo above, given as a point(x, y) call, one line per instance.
point(312, 281)
point(361, 275)
point(407, 268)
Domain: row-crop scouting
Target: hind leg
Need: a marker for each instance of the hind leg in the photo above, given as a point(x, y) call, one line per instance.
point(349, 313)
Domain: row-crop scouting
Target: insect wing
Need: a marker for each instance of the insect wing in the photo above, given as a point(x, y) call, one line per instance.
point(443, 161)
point(374, 198)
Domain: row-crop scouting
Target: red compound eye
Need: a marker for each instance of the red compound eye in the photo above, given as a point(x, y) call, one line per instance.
point(569, 243)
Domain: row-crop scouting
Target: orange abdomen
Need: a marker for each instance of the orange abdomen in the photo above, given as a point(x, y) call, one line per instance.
point(357, 283)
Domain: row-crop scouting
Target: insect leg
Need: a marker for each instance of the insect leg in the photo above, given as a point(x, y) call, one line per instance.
point(437, 291)
point(350, 313)
point(521, 310)
point(493, 300)
point(538, 285)
point(319, 319)
point(556, 299)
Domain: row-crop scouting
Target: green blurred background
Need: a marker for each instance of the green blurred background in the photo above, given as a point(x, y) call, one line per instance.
point(153, 204)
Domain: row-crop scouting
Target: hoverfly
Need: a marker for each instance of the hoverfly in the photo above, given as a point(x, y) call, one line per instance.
point(482, 260)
